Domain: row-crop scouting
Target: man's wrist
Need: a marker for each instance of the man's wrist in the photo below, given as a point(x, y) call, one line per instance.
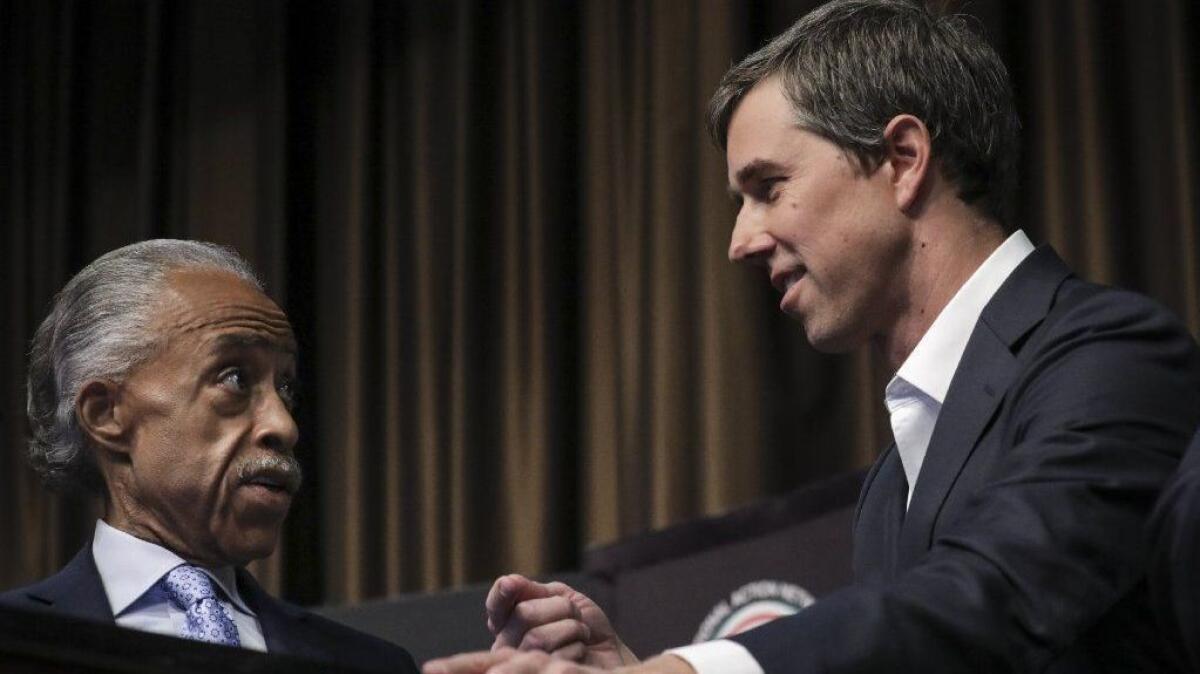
point(661, 664)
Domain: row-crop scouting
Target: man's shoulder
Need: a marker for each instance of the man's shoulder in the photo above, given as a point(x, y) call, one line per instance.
point(26, 595)
point(1044, 290)
point(1078, 291)
point(1086, 311)
point(75, 590)
point(17, 597)
point(1093, 337)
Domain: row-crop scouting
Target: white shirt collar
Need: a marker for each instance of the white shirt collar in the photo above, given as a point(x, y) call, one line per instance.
point(129, 567)
point(931, 365)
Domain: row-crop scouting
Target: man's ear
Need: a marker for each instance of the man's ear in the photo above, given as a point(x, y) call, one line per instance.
point(96, 409)
point(909, 152)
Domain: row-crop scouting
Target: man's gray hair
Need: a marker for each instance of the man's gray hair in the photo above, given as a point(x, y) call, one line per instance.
point(99, 328)
point(850, 66)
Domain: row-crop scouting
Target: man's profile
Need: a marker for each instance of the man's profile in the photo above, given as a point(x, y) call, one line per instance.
point(163, 381)
point(871, 149)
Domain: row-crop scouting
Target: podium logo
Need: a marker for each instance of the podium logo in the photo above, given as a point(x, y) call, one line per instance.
point(752, 605)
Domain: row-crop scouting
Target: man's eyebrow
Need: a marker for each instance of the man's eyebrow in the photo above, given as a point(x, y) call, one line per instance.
point(755, 169)
point(253, 339)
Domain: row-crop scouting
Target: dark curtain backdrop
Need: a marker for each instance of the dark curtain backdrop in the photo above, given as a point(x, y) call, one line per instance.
point(500, 232)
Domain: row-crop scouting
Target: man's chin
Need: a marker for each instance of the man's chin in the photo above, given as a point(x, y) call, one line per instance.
point(255, 532)
point(828, 341)
point(818, 334)
point(251, 545)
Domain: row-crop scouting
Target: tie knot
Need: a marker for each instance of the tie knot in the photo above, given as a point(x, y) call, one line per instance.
point(186, 585)
point(193, 592)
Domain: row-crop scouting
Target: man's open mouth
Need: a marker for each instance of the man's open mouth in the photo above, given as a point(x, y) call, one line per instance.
point(793, 278)
point(783, 282)
point(276, 473)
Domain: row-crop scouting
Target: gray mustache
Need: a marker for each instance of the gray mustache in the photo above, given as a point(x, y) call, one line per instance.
point(282, 468)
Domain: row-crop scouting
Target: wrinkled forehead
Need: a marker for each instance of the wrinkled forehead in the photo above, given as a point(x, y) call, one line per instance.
point(211, 304)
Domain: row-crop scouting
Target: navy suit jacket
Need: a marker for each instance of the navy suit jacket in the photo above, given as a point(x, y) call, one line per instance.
point(1021, 549)
point(288, 629)
point(1174, 534)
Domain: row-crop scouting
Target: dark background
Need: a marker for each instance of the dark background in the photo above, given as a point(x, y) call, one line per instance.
point(500, 232)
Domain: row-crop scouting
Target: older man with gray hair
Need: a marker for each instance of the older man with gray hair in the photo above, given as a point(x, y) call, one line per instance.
point(163, 380)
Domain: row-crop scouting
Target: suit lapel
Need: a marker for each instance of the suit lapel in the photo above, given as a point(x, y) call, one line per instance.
point(869, 481)
point(282, 624)
point(878, 519)
point(970, 404)
point(76, 590)
point(987, 369)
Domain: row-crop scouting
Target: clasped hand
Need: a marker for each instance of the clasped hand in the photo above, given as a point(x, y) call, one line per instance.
point(546, 628)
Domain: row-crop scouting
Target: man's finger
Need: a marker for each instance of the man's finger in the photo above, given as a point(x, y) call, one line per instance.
point(500, 600)
point(533, 613)
point(554, 636)
point(573, 652)
point(524, 663)
point(468, 663)
point(506, 593)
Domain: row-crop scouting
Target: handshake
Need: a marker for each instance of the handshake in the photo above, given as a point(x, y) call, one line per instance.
point(550, 628)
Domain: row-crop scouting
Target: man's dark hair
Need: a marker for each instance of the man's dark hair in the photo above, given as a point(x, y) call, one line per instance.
point(850, 66)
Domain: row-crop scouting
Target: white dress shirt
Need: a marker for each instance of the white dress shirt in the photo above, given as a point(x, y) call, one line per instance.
point(130, 569)
point(914, 398)
point(915, 395)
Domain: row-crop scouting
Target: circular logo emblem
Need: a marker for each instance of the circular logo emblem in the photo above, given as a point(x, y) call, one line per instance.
point(751, 605)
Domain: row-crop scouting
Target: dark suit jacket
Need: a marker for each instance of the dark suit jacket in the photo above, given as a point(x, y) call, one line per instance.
point(1174, 534)
point(78, 591)
point(1021, 549)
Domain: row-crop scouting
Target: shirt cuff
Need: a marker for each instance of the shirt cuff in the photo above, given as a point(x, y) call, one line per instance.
point(718, 657)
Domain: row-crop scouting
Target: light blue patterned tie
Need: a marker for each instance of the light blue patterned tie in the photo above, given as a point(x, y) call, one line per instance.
point(192, 591)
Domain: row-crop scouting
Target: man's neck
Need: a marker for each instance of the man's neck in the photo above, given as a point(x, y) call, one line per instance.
point(946, 252)
point(121, 512)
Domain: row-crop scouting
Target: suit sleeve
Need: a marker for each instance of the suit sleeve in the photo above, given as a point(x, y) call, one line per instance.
point(1093, 425)
point(1174, 537)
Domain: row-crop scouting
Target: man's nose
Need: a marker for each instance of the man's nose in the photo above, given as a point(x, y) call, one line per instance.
point(749, 242)
point(277, 429)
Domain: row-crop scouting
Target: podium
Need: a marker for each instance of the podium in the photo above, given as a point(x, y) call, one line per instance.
point(703, 578)
point(716, 576)
point(437, 624)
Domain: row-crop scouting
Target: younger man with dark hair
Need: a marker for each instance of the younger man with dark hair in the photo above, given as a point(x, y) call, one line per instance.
point(871, 150)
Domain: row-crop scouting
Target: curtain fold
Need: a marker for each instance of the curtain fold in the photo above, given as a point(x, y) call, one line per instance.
point(500, 231)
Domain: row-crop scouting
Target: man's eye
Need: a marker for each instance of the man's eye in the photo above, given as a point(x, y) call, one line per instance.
point(287, 393)
point(234, 379)
point(769, 188)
